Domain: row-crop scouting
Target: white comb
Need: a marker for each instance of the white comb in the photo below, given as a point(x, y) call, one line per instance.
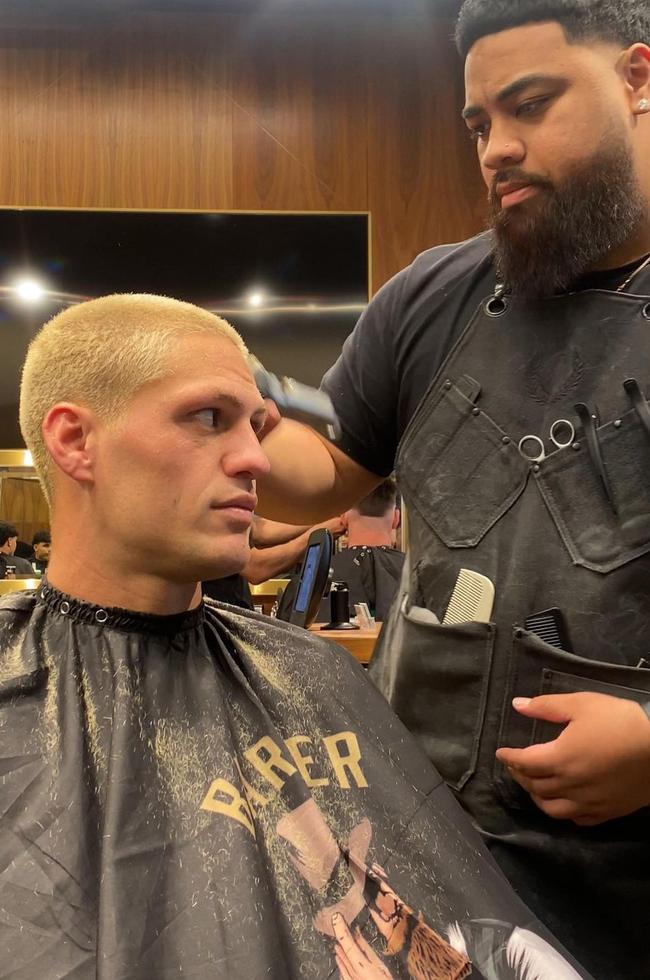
point(471, 601)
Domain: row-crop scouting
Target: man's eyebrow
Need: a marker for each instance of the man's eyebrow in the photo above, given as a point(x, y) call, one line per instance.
point(514, 88)
point(233, 401)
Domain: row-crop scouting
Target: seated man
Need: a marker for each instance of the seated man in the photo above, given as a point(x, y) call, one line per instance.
point(8, 557)
point(369, 565)
point(190, 790)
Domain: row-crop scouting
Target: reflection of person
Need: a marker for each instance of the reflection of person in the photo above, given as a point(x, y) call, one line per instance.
point(462, 355)
point(369, 565)
point(8, 557)
point(152, 744)
point(41, 544)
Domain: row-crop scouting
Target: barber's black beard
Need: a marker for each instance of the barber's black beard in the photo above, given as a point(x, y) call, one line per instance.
point(550, 240)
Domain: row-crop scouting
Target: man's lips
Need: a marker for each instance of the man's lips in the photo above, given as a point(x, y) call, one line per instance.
point(244, 505)
point(514, 193)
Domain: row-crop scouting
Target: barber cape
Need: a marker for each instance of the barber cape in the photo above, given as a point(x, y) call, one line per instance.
point(216, 795)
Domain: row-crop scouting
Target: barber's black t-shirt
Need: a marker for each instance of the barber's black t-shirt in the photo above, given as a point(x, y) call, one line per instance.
point(404, 336)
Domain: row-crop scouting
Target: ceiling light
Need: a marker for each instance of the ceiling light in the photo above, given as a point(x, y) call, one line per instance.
point(29, 291)
point(255, 298)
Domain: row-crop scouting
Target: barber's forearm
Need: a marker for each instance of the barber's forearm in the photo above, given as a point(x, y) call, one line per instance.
point(310, 480)
point(266, 563)
point(266, 534)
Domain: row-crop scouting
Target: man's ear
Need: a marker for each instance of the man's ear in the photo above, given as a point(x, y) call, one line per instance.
point(396, 518)
point(635, 66)
point(68, 432)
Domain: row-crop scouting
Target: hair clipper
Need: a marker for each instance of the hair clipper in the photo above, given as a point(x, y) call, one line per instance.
point(297, 401)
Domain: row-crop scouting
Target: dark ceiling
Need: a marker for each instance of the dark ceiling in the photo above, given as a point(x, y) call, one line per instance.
point(14, 11)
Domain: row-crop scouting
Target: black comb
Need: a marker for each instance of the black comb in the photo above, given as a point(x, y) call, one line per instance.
point(549, 625)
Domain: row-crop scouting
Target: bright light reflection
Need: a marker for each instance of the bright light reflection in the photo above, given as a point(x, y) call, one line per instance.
point(29, 291)
point(255, 299)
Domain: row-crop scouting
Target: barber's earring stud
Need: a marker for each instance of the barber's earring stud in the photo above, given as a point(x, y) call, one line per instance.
point(644, 105)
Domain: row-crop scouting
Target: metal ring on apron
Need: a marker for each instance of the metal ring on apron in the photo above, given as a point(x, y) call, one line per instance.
point(570, 432)
point(537, 454)
point(646, 311)
point(496, 306)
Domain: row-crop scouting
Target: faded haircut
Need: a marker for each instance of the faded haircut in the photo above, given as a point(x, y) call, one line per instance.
point(99, 354)
point(7, 531)
point(623, 22)
point(378, 503)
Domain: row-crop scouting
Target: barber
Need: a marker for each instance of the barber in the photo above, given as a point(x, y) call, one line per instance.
point(460, 357)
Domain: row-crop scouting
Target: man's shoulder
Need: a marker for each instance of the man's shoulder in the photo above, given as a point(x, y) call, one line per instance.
point(280, 640)
point(16, 606)
point(16, 662)
point(23, 565)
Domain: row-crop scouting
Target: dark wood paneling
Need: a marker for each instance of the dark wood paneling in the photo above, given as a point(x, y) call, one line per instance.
point(214, 110)
point(300, 114)
point(424, 183)
point(22, 504)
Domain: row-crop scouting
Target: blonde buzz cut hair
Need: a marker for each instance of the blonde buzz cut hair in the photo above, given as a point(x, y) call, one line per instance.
point(99, 354)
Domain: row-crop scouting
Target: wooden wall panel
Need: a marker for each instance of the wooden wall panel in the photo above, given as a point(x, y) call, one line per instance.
point(22, 504)
point(250, 111)
point(299, 123)
point(424, 183)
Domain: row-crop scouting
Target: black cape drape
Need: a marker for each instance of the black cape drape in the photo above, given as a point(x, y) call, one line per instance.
point(215, 795)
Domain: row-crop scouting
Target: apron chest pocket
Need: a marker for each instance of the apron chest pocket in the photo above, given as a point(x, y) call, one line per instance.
point(464, 472)
point(595, 536)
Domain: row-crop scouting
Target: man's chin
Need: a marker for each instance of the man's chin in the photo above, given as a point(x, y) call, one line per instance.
point(229, 562)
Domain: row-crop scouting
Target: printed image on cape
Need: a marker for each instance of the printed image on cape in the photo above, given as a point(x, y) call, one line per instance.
point(217, 795)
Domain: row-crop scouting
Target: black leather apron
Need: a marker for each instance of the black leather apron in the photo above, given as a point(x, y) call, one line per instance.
point(546, 535)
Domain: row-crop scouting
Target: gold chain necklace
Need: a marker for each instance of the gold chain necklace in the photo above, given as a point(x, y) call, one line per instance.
point(636, 272)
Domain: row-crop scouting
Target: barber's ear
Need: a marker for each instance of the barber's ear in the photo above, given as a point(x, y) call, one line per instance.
point(635, 66)
point(396, 519)
point(68, 432)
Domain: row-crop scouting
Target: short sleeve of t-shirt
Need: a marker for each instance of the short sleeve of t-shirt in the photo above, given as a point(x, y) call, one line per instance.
point(400, 343)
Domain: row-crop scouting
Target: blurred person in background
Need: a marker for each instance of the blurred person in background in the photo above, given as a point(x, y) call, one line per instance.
point(8, 558)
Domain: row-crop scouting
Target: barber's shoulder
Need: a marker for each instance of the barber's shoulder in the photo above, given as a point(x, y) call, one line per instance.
point(437, 269)
point(447, 262)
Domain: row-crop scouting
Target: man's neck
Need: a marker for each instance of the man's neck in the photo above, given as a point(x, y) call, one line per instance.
point(137, 592)
point(369, 539)
point(635, 249)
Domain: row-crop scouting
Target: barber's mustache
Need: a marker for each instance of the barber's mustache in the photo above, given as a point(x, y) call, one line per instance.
point(514, 175)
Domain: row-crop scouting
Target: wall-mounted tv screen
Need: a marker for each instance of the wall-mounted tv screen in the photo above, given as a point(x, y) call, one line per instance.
point(293, 284)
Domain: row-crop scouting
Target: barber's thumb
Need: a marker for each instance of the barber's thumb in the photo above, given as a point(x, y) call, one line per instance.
point(548, 707)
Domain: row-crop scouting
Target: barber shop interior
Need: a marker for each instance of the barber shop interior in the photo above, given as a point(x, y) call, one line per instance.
point(324, 489)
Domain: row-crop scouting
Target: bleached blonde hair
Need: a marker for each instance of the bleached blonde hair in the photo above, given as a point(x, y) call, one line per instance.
point(99, 354)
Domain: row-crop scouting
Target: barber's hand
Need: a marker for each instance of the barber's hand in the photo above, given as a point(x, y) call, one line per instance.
point(273, 418)
point(597, 769)
point(334, 525)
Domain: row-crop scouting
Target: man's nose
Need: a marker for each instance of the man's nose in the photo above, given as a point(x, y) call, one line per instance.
point(245, 456)
point(503, 149)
